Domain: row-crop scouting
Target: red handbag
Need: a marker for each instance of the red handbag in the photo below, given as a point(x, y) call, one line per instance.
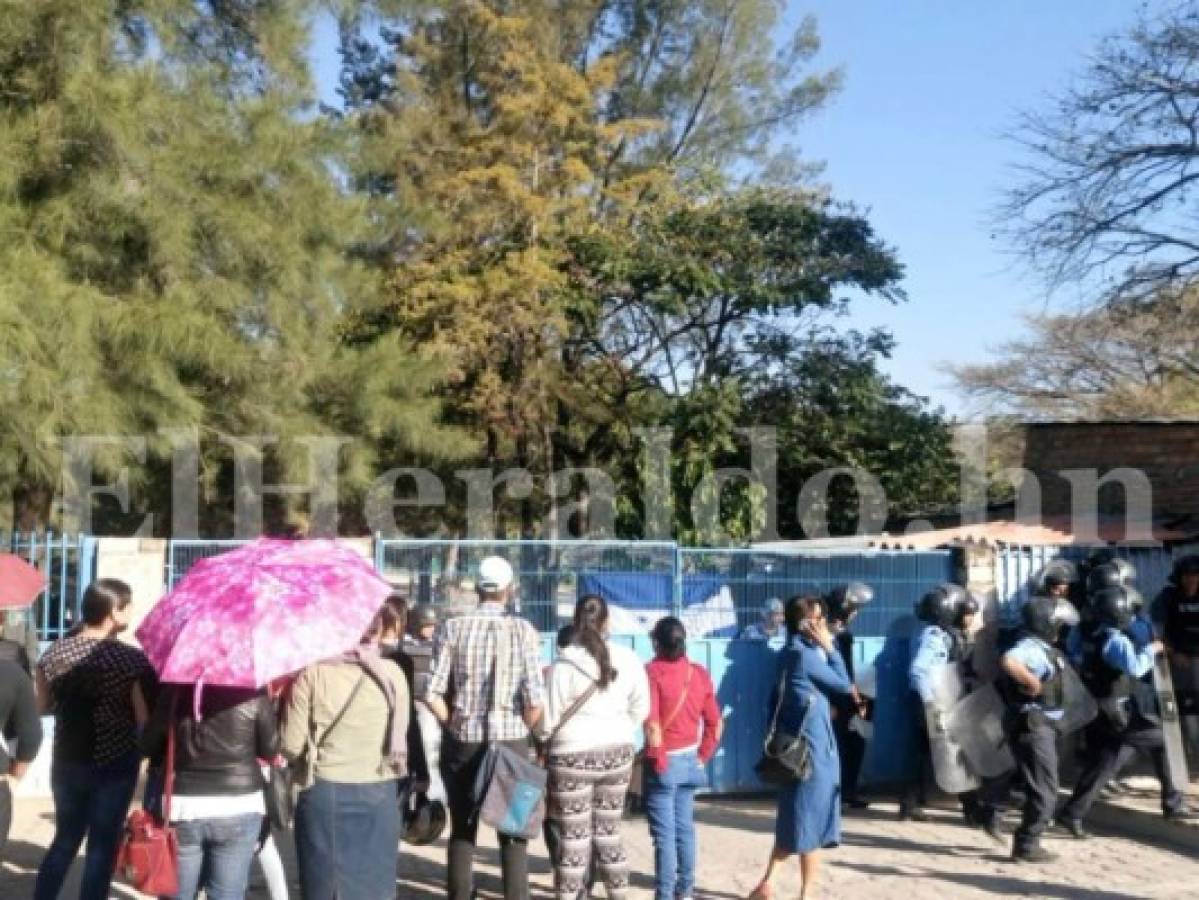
point(148, 857)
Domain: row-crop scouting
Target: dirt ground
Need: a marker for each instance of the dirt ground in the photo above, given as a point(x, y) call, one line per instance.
point(881, 859)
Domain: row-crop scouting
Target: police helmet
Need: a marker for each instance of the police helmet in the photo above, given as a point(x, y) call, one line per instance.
point(1045, 617)
point(847, 599)
point(1185, 565)
point(941, 605)
point(424, 820)
point(1135, 598)
point(1100, 557)
point(425, 614)
point(967, 606)
point(1059, 573)
point(1113, 607)
point(1118, 573)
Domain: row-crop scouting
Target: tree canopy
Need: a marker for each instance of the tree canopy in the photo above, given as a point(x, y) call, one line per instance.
point(529, 232)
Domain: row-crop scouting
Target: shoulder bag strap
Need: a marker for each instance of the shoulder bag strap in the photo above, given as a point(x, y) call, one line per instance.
point(168, 781)
point(678, 708)
point(575, 706)
point(341, 713)
point(778, 705)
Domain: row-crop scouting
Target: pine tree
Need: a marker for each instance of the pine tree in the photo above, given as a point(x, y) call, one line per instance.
point(177, 244)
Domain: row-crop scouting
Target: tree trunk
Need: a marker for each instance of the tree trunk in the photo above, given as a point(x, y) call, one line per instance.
point(32, 501)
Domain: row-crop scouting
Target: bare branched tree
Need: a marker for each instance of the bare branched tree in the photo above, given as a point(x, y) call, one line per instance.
point(1125, 361)
point(1108, 200)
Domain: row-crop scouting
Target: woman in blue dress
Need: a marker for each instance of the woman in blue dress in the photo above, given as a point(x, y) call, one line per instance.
point(809, 812)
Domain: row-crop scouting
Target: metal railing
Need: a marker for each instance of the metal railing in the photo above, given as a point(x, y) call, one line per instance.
point(68, 562)
point(718, 593)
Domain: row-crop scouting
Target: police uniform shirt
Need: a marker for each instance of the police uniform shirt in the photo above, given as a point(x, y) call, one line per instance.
point(1121, 654)
point(1031, 654)
point(931, 649)
point(1141, 632)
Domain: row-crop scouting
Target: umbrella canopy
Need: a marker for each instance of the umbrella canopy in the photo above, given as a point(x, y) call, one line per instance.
point(20, 583)
point(262, 611)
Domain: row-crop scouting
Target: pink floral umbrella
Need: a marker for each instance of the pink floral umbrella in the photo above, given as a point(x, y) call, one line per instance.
point(262, 611)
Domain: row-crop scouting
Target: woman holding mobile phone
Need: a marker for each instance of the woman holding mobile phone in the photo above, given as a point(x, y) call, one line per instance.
point(809, 811)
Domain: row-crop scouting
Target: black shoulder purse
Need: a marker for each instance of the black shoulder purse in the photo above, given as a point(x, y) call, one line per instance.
point(786, 758)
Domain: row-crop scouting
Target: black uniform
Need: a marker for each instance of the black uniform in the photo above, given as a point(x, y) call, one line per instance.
point(1033, 739)
point(1180, 630)
point(1128, 723)
point(851, 746)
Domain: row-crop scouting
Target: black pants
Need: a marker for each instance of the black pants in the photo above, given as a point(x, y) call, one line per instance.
point(916, 792)
point(851, 748)
point(1109, 751)
point(1035, 748)
point(459, 765)
point(5, 815)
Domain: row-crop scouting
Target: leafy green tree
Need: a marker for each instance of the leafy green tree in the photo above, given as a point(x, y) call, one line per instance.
point(177, 240)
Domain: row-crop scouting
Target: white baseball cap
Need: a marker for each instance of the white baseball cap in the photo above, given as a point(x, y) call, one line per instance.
point(495, 574)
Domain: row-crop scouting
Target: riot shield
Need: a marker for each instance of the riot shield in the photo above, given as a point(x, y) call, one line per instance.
point(1078, 704)
point(950, 769)
point(976, 725)
point(430, 735)
point(1163, 685)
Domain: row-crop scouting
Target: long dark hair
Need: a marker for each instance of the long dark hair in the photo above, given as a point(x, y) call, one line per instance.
point(591, 615)
point(800, 608)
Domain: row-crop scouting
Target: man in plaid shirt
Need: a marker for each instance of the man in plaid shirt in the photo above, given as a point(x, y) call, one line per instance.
point(495, 699)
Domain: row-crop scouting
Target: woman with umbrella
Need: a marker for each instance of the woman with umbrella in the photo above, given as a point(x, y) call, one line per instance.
point(274, 608)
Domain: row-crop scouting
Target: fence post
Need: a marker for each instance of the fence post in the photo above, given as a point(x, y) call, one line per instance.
point(676, 603)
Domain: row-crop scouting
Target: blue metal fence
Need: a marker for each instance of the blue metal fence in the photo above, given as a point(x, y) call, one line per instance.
point(1015, 568)
point(549, 573)
point(68, 561)
point(753, 577)
point(704, 586)
point(183, 554)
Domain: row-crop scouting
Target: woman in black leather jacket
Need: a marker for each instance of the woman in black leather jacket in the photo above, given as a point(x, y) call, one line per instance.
point(218, 802)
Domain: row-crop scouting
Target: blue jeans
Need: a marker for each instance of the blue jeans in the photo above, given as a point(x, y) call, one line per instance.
point(216, 854)
point(89, 801)
point(670, 807)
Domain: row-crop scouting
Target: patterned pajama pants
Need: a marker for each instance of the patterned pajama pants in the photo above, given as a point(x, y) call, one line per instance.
point(586, 802)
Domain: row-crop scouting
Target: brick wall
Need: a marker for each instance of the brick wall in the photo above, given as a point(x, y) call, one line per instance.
point(1167, 452)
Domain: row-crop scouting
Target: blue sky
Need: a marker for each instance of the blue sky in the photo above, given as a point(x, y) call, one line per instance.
point(916, 140)
point(916, 137)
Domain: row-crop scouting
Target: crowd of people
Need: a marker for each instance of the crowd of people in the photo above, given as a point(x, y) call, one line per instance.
point(386, 741)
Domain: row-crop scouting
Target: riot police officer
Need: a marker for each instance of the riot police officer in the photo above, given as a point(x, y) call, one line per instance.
point(418, 645)
point(1059, 578)
point(944, 614)
point(844, 602)
point(1114, 668)
point(1030, 682)
point(1176, 612)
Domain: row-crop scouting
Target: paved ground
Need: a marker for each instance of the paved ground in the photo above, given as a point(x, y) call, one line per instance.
point(881, 858)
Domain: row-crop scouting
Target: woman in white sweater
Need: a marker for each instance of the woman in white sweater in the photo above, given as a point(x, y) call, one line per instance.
point(598, 699)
